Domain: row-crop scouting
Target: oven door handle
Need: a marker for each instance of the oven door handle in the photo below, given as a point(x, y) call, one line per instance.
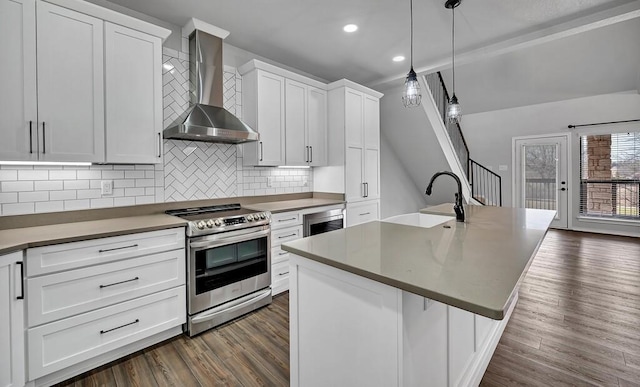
point(216, 240)
point(231, 306)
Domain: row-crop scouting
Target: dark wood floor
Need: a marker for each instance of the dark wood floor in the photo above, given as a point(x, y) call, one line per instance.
point(577, 323)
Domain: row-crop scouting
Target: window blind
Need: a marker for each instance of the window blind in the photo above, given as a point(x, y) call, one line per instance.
point(610, 175)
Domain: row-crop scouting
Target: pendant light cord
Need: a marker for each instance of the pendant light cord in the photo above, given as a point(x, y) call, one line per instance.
point(411, 40)
point(453, 47)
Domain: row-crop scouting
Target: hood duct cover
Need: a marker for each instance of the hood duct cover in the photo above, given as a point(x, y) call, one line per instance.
point(206, 119)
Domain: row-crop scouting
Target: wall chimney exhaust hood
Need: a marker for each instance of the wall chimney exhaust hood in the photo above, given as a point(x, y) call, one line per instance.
point(206, 119)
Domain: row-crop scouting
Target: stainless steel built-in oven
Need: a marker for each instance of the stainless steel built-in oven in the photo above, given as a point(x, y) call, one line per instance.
point(325, 221)
point(228, 267)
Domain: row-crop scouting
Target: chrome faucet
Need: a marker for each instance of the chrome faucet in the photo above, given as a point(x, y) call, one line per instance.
point(457, 207)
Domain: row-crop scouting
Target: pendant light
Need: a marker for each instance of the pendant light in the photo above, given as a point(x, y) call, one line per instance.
point(411, 96)
point(454, 112)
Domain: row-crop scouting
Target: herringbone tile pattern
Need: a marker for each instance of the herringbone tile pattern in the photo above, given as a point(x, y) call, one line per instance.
point(199, 170)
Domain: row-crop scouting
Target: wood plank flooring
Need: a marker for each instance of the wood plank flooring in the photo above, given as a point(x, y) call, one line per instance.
point(577, 323)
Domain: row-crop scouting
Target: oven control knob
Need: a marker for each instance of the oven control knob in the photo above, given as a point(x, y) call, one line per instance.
point(201, 224)
point(218, 222)
point(210, 223)
point(262, 216)
point(249, 217)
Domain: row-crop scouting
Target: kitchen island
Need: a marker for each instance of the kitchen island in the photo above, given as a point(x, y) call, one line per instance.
point(419, 300)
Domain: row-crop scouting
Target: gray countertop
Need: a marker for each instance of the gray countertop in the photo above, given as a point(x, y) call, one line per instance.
point(476, 265)
point(22, 238)
point(292, 205)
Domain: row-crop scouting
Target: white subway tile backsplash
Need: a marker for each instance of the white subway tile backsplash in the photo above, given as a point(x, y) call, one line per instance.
point(63, 174)
point(16, 186)
point(48, 185)
point(18, 208)
point(34, 196)
point(191, 170)
point(33, 175)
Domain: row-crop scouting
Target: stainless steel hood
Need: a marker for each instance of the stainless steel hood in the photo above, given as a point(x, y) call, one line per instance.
point(206, 119)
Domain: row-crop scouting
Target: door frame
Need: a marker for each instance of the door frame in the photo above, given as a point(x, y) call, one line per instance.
point(568, 165)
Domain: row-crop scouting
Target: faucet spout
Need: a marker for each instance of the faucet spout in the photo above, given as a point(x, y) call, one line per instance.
point(458, 206)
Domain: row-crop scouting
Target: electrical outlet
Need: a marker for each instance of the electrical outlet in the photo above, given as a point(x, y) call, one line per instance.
point(305, 182)
point(270, 181)
point(106, 187)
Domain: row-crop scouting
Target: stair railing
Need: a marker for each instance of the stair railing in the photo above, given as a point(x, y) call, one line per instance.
point(486, 186)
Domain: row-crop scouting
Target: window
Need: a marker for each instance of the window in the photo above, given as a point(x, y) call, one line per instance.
point(610, 175)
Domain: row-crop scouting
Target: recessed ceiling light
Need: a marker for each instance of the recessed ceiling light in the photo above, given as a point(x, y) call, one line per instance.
point(398, 58)
point(350, 28)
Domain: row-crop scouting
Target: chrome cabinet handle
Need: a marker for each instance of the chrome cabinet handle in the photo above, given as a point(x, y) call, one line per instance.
point(363, 190)
point(44, 140)
point(366, 186)
point(306, 154)
point(121, 326)
point(286, 220)
point(21, 296)
point(30, 136)
point(365, 213)
point(118, 283)
point(159, 144)
point(283, 253)
point(287, 236)
point(261, 151)
point(285, 273)
point(117, 248)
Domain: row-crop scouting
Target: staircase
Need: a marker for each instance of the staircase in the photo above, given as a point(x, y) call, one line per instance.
point(480, 184)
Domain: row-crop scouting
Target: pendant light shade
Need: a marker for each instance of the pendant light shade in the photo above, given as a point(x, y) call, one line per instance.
point(411, 95)
point(454, 111)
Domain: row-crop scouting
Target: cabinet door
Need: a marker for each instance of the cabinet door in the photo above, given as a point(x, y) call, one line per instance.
point(70, 85)
point(295, 123)
point(18, 115)
point(270, 119)
point(371, 122)
point(317, 126)
point(354, 175)
point(133, 74)
point(372, 173)
point(354, 107)
point(12, 369)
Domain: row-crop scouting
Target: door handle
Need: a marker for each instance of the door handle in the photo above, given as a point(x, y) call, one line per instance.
point(364, 195)
point(306, 154)
point(367, 186)
point(563, 189)
point(311, 154)
point(44, 140)
point(21, 296)
point(159, 145)
point(30, 136)
point(261, 151)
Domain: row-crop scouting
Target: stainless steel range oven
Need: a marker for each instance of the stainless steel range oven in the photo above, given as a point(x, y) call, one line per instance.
point(229, 264)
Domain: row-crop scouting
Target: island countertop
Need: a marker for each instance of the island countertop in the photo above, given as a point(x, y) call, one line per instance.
point(476, 265)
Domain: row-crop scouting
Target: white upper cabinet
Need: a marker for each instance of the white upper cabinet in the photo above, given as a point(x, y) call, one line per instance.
point(290, 113)
point(18, 124)
point(69, 49)
point(70, 54)
point(305, 125)
point(133, 96)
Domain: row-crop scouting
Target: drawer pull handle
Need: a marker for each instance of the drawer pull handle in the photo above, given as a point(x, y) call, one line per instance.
point(117, 248)
point(285, 273)
point(121, 326)
point(118, 283)
point(287, 236)
point(286, 220)
point(283, 253)
point(366, 213)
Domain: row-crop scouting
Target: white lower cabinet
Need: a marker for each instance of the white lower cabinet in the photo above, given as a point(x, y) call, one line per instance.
point(97, 300)
point(362, 212)
point(66, 342)
point(285, 227)
point(12, 362)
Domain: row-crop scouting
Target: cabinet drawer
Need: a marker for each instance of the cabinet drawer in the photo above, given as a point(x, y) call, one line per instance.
point(362, 213)
point(74, 255)
point(61, 295)
point(63, 343)
point(280, 276)
point(285, 219)
point(279, 237)
point(278, 255)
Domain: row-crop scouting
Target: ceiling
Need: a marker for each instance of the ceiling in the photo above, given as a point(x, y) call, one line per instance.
point(307, 35)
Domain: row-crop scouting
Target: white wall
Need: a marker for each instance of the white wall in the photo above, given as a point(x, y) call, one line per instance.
point(489, 137)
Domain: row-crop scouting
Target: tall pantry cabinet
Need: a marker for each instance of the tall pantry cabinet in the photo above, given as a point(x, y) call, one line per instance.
point(354, 150)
